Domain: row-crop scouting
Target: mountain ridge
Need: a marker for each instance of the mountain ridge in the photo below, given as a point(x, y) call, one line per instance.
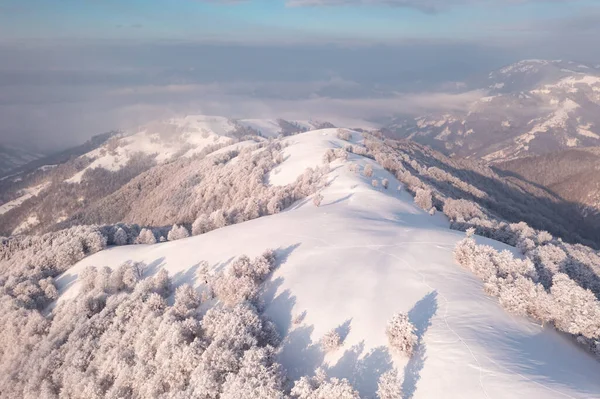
point(531, 107)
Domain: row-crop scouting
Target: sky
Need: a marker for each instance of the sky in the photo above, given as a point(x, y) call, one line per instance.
point(73, 68)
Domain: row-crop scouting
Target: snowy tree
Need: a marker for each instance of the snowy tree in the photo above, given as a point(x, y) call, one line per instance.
point(187, 300)
point(259, 377)
point(328, 156)
point(575, 310)
point(344, 134)
point(322, 387)
point(317, 199)
point(423, 199)
point(385, 183)
point(177, 233)
point(375, 183)
point(389, 385)
point(201, 225)
point(146, 236)
point(120, 237)
point(401, 334)
point(252, 209)
point(331, 341)
point(368, 170)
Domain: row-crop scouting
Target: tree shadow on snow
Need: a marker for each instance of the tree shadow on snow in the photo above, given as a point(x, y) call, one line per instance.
point(221, 266)
point(278, 306)
point(152, 268)
point(420, 316)
point(363, 369)
point(344, 329)
point(187, 277)
point(344, 198)
point(282, 254)
point(300, 355)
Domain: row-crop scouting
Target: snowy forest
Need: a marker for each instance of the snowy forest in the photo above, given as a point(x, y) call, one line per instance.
point(134, 333)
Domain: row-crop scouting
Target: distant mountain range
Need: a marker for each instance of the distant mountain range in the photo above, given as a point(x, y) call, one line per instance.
point(532, 107)
point(13, 157)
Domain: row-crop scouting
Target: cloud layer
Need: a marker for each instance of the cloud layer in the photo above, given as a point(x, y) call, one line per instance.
point(427, 6)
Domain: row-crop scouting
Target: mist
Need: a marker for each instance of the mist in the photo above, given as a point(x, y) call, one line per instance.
point(57, 94)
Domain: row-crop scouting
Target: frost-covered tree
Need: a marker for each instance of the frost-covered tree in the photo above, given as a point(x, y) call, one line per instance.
point(389, 385)
point(375, 183)
point(368, 170)
point(317, 199)
point(331, 341)
point(385, 183)
point(575, 310)
point(201, 225)
point(259, 377)
point(328, 156)
point(242, 280)
point(146, 236)
point(322, 387)
point(344, 134)
point(177, 233)
point(423, 199)
point(401, 334)
point(120, 237)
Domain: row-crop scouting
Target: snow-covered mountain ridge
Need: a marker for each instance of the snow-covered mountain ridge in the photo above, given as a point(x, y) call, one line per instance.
point(352, 250)
point(531, 107)
point(113, 160)
point(351, 263)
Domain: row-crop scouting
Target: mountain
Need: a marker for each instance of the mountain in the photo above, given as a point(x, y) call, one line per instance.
point(574, 174)
point(51, 190)
point(368, 276)
point(532, 107)
point(11, 158)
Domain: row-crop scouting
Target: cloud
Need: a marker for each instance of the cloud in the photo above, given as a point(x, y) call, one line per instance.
point(56, 96)
point(426, 6)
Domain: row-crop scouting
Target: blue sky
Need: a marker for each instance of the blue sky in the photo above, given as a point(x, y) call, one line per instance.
point(287, 20)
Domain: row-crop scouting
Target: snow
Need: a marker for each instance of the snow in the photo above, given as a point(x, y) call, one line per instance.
point(28, 223)
point(47, 167)
point(557, 119)
point(444, 134)
point(572, 142)
point(25, 195)
point(352, 263)
point(165, 139)
point(497, 86)
point(488, 99)
point(584, 130)
point(266, 127)
point(572, 83)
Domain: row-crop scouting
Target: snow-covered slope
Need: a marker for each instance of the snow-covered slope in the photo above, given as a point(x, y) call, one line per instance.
point(531, 107)
point(166, 139)
point(363, 255)
point(25, 194)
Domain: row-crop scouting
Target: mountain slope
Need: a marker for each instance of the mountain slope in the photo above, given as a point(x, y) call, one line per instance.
point(363, 255)
point(531, 107)
point(11, 158)
point(78, 178)
point(573, 174)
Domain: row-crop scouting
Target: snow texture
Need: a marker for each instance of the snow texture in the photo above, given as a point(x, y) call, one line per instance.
point(364, 255)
